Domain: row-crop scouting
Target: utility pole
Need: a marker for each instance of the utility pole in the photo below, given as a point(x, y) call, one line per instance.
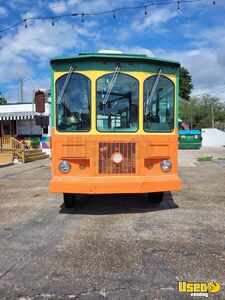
point(21, 89)
point(213, 125)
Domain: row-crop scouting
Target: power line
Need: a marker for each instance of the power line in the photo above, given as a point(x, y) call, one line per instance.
point(216, 91)
point(112, 11)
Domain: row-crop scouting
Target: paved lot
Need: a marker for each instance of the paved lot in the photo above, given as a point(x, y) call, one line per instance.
point(115, 246)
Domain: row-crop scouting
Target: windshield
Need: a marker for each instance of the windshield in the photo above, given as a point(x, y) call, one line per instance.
point(159, 108)
point(73, 103)
point(117, 103)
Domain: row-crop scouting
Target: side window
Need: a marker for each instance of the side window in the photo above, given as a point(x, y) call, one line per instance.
point(117, 103)
point(73, 102)
point(159, 94)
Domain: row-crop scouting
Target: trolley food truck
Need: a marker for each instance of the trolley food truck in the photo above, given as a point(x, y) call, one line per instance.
point(114, 125)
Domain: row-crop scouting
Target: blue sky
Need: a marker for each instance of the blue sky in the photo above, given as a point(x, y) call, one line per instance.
point(195, 37)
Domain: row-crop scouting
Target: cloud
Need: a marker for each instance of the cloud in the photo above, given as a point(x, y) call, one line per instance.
point(19, 4)
point(194, 37)
point(123, 34)
point(21, 54)
point(137, 50)
point(90, 6)
point(93, 6)
point(203, 64)
point(58, 7)
point(38, 40)
point(3, 12)
point(30, 14)
point(154, 19)
point(200, 36)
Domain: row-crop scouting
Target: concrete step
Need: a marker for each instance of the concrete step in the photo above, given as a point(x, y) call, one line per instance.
point(6, 159)
point(30, 151)
point(33, 154)
point(36, 157)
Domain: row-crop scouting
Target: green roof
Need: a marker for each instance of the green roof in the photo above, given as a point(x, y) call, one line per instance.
point(139, 57)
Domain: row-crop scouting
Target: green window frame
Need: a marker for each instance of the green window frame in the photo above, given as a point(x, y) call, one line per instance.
point(117, 103)
point(73, 103)
point(159, 104)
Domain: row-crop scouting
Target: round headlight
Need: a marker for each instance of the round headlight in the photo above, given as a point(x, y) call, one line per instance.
point(166, 165)
point(117, 157)
point(64, 167)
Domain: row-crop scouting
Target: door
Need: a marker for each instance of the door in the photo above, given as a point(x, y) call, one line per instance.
point(6, 128)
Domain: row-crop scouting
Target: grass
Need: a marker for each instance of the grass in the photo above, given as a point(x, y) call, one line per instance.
point(206, 158)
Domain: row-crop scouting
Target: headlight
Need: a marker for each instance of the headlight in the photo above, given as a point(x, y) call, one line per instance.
point(64, 167)
point(166, 165)
point(117, 157)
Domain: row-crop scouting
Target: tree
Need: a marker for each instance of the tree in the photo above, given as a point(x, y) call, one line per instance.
point(2, 99)
point(201, 112)
point(185, 84)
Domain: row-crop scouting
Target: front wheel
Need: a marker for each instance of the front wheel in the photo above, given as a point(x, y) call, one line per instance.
point(156, 197)
point(69, 200)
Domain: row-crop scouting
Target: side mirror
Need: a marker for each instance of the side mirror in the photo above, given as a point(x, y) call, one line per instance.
point(39, 100)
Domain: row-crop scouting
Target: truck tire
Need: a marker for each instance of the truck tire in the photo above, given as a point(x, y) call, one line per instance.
point(69, 200)
point(156, 197)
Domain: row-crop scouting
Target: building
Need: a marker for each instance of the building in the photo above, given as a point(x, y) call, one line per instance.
point(213, 137)
point(18, 120)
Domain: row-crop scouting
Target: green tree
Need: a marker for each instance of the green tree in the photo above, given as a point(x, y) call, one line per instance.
point(200, 112)
point(185, 84)
point(2, 99)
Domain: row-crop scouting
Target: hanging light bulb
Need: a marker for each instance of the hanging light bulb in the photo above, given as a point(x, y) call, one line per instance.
point(178, 6)
point(214, 2)
point(82, 18)
point(146, 10)
point(53, 23)
point(114, 14)
point(25, 23)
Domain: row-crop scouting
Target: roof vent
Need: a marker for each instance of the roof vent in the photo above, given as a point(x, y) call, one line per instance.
point(110, 51)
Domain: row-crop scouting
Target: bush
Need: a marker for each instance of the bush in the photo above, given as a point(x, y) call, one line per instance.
point(35, 143)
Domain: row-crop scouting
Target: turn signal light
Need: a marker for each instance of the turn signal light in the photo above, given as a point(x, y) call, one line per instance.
point(149, 166)
point(82, 166)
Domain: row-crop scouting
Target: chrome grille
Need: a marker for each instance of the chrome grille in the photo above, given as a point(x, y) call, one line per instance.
point(108, 166)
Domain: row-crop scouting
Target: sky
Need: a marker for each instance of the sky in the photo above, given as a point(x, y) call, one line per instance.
point(195, 37)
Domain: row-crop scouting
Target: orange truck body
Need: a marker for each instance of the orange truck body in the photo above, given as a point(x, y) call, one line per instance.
point(90, 153)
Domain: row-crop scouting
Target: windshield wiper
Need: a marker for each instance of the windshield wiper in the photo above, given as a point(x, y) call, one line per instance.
point(152, 92)
point(65, 83)
point(111, 84)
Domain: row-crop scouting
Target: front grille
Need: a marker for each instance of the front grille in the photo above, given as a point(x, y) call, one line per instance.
point(108, 166)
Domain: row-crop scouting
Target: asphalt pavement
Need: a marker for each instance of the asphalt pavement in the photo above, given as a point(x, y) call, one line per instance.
point(112, 246)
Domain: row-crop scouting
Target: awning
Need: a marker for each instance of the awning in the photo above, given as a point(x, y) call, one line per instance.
point(22, 115)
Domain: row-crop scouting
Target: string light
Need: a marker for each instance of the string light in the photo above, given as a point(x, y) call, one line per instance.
point(145, 7)
point(146, 10)
point(178, 7)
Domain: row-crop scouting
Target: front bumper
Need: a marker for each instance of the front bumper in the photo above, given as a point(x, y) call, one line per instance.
point(116, 185)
